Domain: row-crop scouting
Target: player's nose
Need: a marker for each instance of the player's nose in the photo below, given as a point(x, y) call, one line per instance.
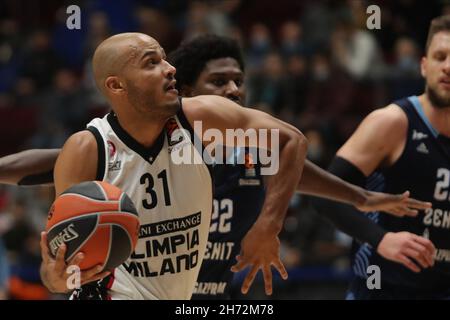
point(169, 69)
point(232, 89)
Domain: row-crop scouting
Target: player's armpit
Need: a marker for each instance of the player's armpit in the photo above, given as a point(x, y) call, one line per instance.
point(378, 140)
point(77, 161)
point(30, 167)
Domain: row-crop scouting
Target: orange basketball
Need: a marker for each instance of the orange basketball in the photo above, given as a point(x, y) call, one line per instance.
point(95, 218)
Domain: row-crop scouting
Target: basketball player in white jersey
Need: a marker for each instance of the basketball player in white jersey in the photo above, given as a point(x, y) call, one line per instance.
point(131, 148)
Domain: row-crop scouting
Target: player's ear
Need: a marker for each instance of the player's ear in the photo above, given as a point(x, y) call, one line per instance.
point(186, 91)
point(114, 85)
point(423, 66)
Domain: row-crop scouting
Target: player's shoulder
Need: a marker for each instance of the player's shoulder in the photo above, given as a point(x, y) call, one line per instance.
point(390, 118)
point(81, 142)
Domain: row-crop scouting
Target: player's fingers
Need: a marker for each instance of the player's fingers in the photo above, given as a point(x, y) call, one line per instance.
point(426, 243)
point(426, 254)
point(60, 264)
point(239, 266)
point(77, 259)
point(395, 212)
point(417, 204)
point(403, 210)
point(408, 263)
point(281, 269)
point(45, 252)
point(267, 273)
point(249, 279)
point(416, 256)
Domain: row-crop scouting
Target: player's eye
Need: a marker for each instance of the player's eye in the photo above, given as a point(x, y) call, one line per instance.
point(239, 82)
point(440, 56)
point(218, 82)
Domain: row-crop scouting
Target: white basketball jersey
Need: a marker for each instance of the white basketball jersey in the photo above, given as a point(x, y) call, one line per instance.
point(174, 202)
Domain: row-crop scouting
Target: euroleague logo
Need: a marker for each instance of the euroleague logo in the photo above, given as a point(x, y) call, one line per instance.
point(111, 149)
point(174, 134)
point(113, 164)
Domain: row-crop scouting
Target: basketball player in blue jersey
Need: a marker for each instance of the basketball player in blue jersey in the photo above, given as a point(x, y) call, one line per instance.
point(406, 145)
point(239, 192)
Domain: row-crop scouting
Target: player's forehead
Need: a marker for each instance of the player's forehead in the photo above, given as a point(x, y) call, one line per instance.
point(440, 42)
point(226, 66)
point(145, 45)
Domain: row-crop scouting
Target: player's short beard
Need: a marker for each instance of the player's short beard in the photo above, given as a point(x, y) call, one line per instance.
point(437, 100)
point(144, 103)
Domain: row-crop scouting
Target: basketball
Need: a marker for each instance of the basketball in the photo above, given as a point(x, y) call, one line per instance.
point(97, 219)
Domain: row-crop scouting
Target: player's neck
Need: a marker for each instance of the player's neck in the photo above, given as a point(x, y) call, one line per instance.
point(143, 130)
point(438, 117)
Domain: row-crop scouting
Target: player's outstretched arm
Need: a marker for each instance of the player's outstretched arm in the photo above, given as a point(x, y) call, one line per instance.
point(318, 182)
point(260, 246)
point(30, 167)
point(378, 141)
point(76, 163)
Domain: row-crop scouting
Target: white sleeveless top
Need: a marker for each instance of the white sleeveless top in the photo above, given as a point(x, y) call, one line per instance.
point(174, 202)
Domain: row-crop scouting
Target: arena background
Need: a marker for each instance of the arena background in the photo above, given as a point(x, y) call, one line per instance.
point(298, 68)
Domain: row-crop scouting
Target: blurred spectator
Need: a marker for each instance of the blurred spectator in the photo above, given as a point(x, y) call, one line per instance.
point(291, 42)
point(67, 103)
point(25, 93)
point(266, 88)
point(98, 30)
point(328, 93)
point(10, 42)
point(405, 76)
point(260, 44)
point(39, 60)
point(156, 24)
point(296, 86)
point(356, 50)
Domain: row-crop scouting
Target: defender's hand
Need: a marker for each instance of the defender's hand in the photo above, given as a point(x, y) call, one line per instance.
point(259, 250)
point(398, 205)
point(408, 249)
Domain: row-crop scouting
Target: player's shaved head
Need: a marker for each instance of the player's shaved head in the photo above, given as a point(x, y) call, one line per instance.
point(114, 53)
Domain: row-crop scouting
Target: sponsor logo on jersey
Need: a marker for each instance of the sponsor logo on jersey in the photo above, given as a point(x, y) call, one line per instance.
point(210, 288)
point(178, 248)
point(249, 164)
point(114, 164)
point(419, 135)
point(174, 134)
point(422, 148)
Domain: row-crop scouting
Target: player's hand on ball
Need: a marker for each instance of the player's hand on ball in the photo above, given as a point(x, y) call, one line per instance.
point(259, 250)
point(399, 205)
point(53, 270)
point(408, 249)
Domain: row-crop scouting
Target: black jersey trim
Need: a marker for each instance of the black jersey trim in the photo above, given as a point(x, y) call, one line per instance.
point(149, 154)
point(195, 140)
point(101, 162)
